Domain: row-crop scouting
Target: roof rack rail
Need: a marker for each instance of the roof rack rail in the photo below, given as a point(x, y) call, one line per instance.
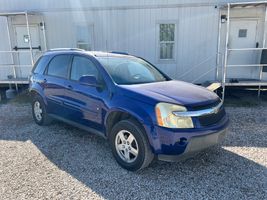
point(66, 49)
point(118, 52)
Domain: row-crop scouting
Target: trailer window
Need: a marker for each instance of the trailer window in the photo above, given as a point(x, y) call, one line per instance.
point(166, 41)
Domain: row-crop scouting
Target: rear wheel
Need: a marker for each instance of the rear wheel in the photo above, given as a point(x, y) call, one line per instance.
point(39, 113)
point(130, 145)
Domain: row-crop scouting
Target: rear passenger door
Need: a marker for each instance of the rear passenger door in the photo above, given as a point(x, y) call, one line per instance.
point(54, 83)
point(84, 103)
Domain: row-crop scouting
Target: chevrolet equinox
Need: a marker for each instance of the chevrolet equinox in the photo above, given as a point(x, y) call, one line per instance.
point(142, 112)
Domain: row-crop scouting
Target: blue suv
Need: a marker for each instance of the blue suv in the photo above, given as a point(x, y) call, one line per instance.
point(142, 112)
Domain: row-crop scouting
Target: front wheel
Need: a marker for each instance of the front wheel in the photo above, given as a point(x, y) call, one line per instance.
point(130, 145)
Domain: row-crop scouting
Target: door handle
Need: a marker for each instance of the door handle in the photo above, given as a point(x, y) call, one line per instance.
point(257, 45)
point(41, 81)
point(69, 87)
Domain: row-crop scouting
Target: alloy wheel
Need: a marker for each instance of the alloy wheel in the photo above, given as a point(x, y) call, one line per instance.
point(37, 110)
point(126, 146)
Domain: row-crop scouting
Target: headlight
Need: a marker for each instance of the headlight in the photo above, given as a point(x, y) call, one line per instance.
point(166, 118)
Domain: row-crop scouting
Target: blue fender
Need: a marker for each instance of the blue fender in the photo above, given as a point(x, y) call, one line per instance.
point(140, 112)
point(35, 87)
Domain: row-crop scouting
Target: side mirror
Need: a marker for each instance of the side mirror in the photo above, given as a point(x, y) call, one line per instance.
point(89, 80)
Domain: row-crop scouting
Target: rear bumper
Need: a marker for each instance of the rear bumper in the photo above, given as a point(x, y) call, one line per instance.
point(195, 145)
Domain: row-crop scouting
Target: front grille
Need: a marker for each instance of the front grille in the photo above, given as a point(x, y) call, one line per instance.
point(208, 120)
point(206, 106)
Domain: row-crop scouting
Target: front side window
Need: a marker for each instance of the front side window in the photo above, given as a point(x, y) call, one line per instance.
point(166, 41)
point(82, 66)
point(126, 71)
point(58, 66)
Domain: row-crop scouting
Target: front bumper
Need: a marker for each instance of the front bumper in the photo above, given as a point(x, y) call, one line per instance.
point(175, 144)
point(195, 145)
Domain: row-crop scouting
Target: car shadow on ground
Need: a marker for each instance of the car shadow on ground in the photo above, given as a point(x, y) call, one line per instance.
point(215, 173)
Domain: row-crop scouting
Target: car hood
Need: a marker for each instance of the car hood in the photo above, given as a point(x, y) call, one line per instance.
point(177, 92)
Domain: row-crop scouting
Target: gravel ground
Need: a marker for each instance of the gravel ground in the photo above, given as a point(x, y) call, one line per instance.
point(62, 162)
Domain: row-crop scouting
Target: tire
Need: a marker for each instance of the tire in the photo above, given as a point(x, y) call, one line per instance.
point(140, 154)
point(41, 118)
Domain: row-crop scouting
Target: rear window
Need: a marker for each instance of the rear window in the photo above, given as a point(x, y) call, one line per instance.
point(59, 66)
point(40, 65)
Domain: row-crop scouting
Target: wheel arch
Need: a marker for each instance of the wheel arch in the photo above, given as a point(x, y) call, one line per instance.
point(35, 91)
point(116, 115)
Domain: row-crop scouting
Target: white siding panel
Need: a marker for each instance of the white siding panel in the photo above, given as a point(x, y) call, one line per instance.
point(5, 58)
point(131, 26)
point(59, 30)
point(135, 31)
point(8, 5)
point(198, 42)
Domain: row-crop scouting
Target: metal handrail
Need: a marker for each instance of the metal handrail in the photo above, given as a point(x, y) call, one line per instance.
point(229, 50)
point(191, 69)
point(247, 49)
point(204, 74)
point(30, 51)
point(248, 65)
point(18, 51)
point(10, 65)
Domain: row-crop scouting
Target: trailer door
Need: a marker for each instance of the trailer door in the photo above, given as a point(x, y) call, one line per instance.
point(23, 57)
point(243, 34)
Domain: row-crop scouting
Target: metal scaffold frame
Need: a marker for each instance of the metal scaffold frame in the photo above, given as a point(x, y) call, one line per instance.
point(26, 14)
point(228, 50)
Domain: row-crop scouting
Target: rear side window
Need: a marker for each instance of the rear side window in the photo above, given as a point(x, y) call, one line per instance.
point(58, 66)
point(40, 65)
point(82, 66)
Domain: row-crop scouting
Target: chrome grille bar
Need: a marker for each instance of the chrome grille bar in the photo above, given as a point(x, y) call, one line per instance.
point(198, 113)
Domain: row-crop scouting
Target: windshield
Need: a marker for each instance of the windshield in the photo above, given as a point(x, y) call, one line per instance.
point(127, 71)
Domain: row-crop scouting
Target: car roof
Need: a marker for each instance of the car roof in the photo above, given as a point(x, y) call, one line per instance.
point(59, 51)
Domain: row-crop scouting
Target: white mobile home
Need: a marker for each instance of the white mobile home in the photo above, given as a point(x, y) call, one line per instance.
point(185, 39)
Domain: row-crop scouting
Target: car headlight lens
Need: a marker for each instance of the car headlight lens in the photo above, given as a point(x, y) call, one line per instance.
point(166, 118)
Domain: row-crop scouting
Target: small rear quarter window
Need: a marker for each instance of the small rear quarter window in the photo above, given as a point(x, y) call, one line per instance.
point(40, 65)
